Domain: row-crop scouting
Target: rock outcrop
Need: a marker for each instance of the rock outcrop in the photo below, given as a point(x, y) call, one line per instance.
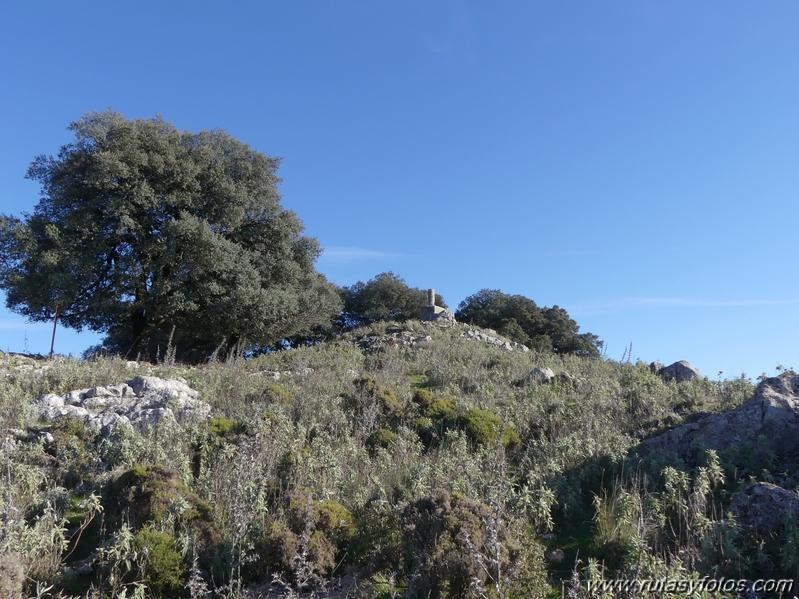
point(768, 421)
point(764, 508)
point(486, 337)
point(440, 315)
point(679, 371)
point(374, 343)
point(139, 403)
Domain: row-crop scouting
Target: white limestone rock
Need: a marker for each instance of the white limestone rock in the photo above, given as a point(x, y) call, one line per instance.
point(142, 402)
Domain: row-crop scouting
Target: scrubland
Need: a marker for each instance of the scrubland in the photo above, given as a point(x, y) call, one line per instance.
point(420, 470)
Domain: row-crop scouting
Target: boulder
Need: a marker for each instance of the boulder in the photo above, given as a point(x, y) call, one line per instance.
point(139, 403)
point(764, 508)
point(679, 371)
point(539, 376)
point(567, 378)
point(768, 421)
point(655, 367)
point(442, 316)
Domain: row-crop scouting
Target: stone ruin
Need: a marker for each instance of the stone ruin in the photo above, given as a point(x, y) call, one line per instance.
point(433, 313)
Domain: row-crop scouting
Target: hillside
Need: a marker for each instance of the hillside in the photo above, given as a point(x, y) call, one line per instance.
point(412, 460)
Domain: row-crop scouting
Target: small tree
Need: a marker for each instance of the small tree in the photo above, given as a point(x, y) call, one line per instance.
point(386, 297)
point(520, 319)
point(151, 234)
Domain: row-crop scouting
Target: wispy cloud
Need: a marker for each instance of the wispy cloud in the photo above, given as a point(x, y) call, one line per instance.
point(351, 254)
point(677, 302)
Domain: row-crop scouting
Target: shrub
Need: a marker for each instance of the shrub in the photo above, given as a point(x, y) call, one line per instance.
point(382, 437)
point(452, 546)
point(164, 569)
point(154, 494)
point(335, 520)
point(423, 397)
point(441, 409)
point(278, 394)
point(484, 428)
point(389, 404)
point(224, 427)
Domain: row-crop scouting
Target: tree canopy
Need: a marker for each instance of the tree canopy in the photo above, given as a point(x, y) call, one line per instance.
point(520, 319)
point(147, 233)
point(385, 297)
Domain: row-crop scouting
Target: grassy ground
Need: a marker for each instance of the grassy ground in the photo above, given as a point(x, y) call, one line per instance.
point(374, 469)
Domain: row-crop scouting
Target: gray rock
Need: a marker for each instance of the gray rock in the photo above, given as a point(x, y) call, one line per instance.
point(445, 316)
point(763, 508)
point(140, 403)
point(540, 376)
point(655, 367)
point(771, 417)
point(679, 371)
point(49, 400)
point(106, 423)
point(437, 314)
point(566, 378)
point(488, 336)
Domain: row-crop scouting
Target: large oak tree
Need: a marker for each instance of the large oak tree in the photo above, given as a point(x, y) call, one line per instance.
point(145, 232)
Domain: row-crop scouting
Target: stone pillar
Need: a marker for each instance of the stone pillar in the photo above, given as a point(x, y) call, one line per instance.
point(431, 298)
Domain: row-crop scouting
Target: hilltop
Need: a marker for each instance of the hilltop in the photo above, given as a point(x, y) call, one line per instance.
point(413, 459)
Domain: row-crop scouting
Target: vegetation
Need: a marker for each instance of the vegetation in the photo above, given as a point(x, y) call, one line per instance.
point(385, 297)
point(160, 237)
point(395, 458)
point(419, 470)
point(519, 318)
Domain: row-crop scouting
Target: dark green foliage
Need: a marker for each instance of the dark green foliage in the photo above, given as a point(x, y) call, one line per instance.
point(326, 527)
point(164, 569)
point(224, 427)
point(73, 450)
point(449, 548)
point(441, 409)
point(438, 416)
point(485, 428)
point(144, 494)
point(165, 240)
point(423, 397)
point(382, 437)
point(520, 319)
point(386, 297)
point(390, 405)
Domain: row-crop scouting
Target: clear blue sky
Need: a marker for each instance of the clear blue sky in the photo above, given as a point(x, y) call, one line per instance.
point(635, 162)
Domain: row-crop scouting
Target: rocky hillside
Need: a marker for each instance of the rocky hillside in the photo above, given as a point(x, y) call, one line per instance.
point(415, 460)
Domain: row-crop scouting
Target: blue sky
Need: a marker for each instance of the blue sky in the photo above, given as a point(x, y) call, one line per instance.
point(632, 162)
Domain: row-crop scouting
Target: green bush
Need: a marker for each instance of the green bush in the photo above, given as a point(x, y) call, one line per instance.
point(484, 428)
point(223, 427)
point(278, 394)
point(389, 404)
point(423, 397)
point(382, 437)
point(164, 569)
point(450, 550)
point(441, 409)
